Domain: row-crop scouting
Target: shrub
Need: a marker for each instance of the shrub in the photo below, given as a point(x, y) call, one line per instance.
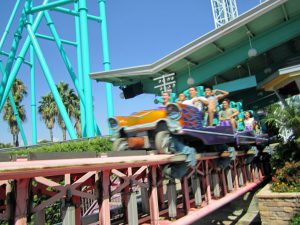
point(296, 219)
point(99, 144)
point(287, 179)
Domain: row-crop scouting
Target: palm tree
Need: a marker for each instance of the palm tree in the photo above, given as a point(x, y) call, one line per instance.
point(77, 119)
point(48, 111)
point(19, 91)
point(285, 117)
point(70, 101)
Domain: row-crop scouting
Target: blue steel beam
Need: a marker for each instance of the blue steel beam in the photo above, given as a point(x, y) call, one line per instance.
point(235, 56)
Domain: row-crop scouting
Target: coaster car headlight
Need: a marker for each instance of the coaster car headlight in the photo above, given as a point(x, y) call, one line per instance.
point(113, 123)
point(173, 111)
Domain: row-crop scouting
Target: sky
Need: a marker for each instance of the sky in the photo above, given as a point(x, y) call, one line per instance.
point(139, 33)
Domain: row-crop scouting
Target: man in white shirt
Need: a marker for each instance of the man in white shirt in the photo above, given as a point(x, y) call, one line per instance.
point(194, 100)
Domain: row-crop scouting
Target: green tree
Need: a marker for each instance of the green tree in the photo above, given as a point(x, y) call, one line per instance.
point(19, 92)
point(70, 101)
point(48, 110)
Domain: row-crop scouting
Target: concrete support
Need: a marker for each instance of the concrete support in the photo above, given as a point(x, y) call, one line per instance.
point(197, 191)
point(132, 211)
point(145, 200)
point(216, 185)
point(240, 176)
point(172, 197)
point(229, 179)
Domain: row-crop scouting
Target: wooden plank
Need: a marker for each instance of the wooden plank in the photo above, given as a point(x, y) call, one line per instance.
point(28, 169)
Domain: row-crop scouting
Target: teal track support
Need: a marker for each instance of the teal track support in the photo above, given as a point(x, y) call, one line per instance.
point(50, 5)
point(80, 72)
point(75, 13)
point(33, 98)
point(19, 61)
point(64, 56)
point(19, 122)
point(52, 39)
point(89, 115)
point(7, 28)
point(51, 83)
point(16, 113)
point(106, 59)
point(6, 54)
point(32, 90)
point(29, 17)
point(11, 55)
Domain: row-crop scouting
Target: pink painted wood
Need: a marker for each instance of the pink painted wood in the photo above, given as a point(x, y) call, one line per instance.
point(29, 169)
point(21, 202)
point(208, 193)
point(104, 213)
point(154, 210)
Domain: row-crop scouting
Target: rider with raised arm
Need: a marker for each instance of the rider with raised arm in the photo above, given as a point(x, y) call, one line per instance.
point(213, 96)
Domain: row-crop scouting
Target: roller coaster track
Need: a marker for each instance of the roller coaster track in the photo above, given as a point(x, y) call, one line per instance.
point(124, 188)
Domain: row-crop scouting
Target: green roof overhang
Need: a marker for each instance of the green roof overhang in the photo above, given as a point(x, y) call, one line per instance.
point(218, 53)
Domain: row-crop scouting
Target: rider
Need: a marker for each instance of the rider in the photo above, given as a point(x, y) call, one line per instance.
point(166, 98)
point(228, 114)
point(213, 96)
point(181, 98)
point(195, 100)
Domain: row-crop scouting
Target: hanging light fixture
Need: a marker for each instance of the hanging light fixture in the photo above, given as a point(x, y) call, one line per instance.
point(190, 81)
point(252, 52)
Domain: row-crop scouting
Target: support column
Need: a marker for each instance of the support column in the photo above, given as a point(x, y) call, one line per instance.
point(21, 202)
point(51, 83)
point(104, 208)
point(186, 194)
point(89, 114)
point(208, 193)
point(154, 212)
point(32, 91)
point(15, 69)
point(80, 72)
point(106, 59)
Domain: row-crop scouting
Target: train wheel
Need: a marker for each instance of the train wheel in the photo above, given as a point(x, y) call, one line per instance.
point(162, 142)
point(120, 145)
